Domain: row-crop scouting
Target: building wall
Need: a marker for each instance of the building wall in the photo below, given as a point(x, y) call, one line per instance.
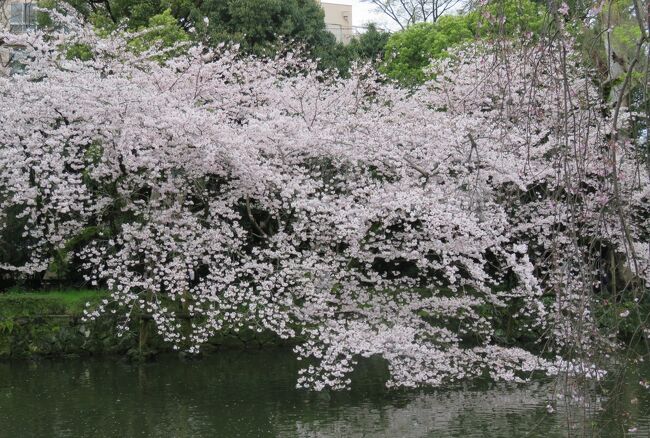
point(6, 51)
point(338, 19)
point(4, 14)
point(5, 11)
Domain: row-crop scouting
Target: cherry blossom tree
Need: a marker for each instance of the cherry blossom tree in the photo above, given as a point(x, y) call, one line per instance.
point(349, 215)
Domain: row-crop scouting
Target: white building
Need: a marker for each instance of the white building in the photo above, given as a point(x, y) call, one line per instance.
point(17, 15)
point(338, 19)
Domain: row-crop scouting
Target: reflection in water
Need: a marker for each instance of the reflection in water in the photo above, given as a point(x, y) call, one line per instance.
point(251, 394)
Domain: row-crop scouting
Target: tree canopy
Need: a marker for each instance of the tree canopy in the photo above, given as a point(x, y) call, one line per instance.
point(257, 25)
point(409, 51)
point(490, 220)
point(449, 229)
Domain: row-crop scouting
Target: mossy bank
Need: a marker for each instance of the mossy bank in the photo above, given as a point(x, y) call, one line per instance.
point(49, 324)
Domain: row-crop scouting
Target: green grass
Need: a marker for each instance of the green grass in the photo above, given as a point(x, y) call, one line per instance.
point(61, 302)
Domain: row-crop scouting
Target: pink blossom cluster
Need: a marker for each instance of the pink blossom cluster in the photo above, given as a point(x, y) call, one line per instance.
point(351, 215)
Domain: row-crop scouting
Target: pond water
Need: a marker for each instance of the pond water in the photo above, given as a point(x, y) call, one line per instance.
point(252, 394)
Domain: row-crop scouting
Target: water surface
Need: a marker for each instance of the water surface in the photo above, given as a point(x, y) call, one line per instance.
point(252, 394)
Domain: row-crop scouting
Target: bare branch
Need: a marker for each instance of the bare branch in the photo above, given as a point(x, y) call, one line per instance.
point(407, 12)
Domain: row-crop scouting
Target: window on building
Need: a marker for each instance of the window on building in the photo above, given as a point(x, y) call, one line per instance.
point(23, 17)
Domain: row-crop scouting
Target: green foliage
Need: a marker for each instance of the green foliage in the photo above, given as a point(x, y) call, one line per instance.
point(137, 12)
point(511, 18)
point(79, 51)
point(161, 30)
point(43, 20)
point(14, 247)
point(610, 54)
point(67, 302)
point(257, 25)
point(62, 266)
point(47, 324)
point(370, 45)
point(409, 51)
point(622, 313)
point(624, 38)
